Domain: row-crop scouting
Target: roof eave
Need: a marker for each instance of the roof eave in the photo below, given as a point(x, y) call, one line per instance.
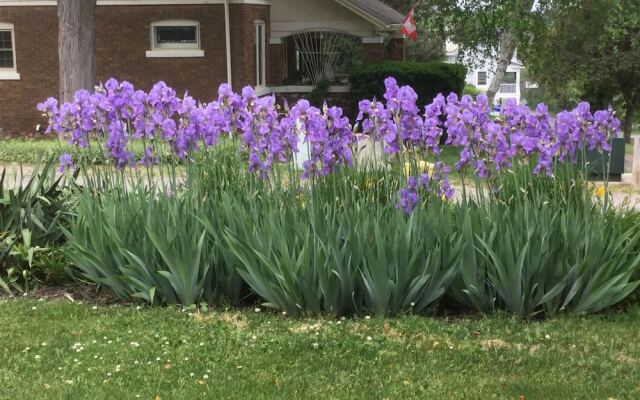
point(379, 24)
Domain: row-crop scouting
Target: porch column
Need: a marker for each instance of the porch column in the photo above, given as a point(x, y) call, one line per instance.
point(372, 49)
point(275, 74)
point(396, 49)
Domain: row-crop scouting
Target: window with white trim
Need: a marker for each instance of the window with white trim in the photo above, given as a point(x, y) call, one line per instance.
point(175, 38)
point(259, 28)
point(7, 52)
point(482, 78)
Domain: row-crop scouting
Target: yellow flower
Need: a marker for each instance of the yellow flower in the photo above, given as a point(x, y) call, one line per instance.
point(600, 191)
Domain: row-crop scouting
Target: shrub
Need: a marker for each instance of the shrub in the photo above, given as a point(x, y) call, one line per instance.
point(471, 90)
point(427, 79)
point(32, 211)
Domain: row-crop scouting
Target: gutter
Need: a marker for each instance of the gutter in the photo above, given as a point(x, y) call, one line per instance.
point(227, 34)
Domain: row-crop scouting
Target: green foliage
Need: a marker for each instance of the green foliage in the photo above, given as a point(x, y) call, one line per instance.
point(332, 256)
point(32, 210)
point(471, 90)
point(535, 246)
point(427, 79)
point(545, 247)
point(473, 25)
point(147, 241)
point(319, 93)
point(32, 151)
point(592, 46)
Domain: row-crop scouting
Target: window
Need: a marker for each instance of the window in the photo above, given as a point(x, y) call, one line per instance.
point(260, 53)
point(7, 52)
point(175, 39)
point(482, 78)
point(510, 77)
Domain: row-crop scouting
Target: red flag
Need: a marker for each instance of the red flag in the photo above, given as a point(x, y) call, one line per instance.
point(409, 26)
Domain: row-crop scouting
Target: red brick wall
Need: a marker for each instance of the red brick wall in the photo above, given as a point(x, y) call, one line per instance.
point(122, 38)
point(395, 49)
point(36, 40)
point(243, 46)
point(123, 35)
point(372, 52)
point(276, 65)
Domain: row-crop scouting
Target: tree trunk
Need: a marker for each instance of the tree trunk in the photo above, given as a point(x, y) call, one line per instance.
point(76, 46)
point(505, 54)
point(630, 103)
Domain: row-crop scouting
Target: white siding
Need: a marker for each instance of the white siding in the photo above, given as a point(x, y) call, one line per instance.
point(290, 16)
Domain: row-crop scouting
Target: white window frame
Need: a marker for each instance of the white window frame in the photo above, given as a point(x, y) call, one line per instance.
point(261, 53)
point(10, 73)
point(175, 49)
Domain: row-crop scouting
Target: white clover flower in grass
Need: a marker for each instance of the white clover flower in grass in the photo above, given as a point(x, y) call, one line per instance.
point(205, 376)
point(369, 338)
point(134, 344)
point(34, 308)
point(37, 357)
point(258, 309)
point(316, 345)
point(94, 307)
point(367, 317)
point(547, 337)
point(68, 382)
point(192, 374)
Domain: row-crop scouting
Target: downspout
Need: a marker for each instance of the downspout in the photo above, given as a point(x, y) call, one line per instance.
point(227, 29)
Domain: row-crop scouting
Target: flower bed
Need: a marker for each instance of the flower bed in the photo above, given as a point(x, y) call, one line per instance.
point(523, 235)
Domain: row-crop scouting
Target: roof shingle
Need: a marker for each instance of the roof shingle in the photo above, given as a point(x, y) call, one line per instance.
point(378, 10)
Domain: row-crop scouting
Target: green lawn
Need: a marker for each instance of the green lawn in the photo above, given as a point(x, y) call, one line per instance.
point(27, 151)
point(60, 350)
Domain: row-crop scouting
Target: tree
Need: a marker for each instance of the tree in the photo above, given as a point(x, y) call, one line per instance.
point(483, 29)
point(594, 45)
point(76, 46)
point(428, 47)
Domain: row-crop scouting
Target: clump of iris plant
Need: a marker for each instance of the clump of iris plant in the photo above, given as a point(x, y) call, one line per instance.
point(116, 114)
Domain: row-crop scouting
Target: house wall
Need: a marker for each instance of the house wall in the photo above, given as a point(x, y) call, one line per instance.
point(123, 35)
point(36, 43)
point(243, 50)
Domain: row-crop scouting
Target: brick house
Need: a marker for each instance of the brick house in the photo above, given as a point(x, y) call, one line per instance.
point(278, 46)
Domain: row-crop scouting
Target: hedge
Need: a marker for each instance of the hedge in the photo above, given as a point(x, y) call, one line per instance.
point(427, 79)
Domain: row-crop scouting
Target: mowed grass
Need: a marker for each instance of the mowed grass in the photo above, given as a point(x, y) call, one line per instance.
point(63, 350)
